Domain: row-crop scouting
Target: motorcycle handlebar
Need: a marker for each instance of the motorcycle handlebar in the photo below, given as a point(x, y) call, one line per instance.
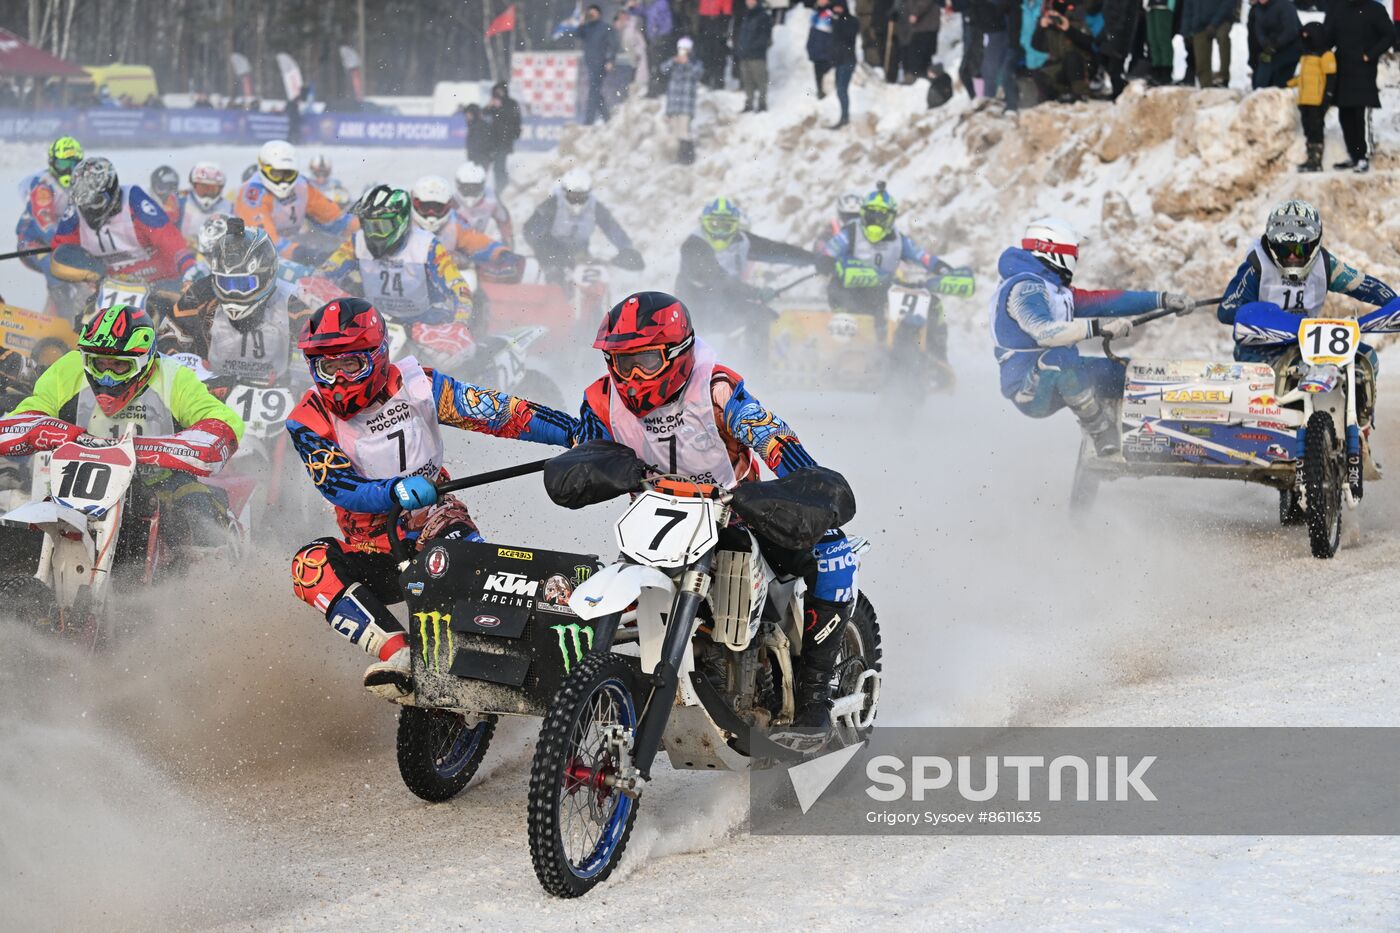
point(398, 547)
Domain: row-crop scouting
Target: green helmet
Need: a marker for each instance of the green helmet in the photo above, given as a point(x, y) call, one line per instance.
point(64, 154)
point(119, 355)
point(385, 217)
point(721, 221)
point(877, 214)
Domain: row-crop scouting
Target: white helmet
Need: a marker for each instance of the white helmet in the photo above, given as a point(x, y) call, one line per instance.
point(432, 202)
point(277, 165)
point(320, 167)
point(848, 206)
point(1054, 243)
point(577, 186)
point(471, 181)
point(207, 182)
point(1293, 239)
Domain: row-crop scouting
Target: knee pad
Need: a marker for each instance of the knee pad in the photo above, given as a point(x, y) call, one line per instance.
point(361, 617)
point(313, 579)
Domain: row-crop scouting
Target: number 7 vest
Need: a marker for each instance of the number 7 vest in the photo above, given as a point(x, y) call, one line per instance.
point(401, 437)
point(680, 437)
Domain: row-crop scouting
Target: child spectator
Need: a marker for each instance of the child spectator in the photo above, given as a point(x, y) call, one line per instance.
point(683, 81)
point(1316, 83)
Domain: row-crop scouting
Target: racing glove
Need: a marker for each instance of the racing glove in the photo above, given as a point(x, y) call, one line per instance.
point(414, 492)
point(824, 264)
point(30, 432)
point(856, 274)
point(1181, 304)
point(1117, 327)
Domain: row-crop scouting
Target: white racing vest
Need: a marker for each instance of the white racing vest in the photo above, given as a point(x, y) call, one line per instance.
point(149, 413)
point(194, 216)
point(1305, 299)
point(477, 216)
point(261, 355)
point(287, 216)
point(400, 437)
point(884, 255)
point(575, 229)
point(734, 258)
point(397, 285)
point(1060, 300)
point(680, 437)
point(116, 240)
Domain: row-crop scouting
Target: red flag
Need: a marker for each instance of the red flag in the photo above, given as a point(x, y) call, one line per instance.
point(503, 23)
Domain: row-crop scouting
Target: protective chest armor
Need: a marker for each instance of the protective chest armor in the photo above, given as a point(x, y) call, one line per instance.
point(680, 437)
point(400, 437)
point(397, 285)
point(570, 227)
point(1306, 299)
point(260, 356)
point(884, 256)
point(148, 411)
point(116, 238)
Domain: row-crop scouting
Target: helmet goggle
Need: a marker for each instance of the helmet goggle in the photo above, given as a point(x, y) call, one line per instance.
point(280, 176)
point(381, 227)
point(95, 202)
point(345, 367)
point(578, 197)
point(206, 190)
point(431, 209)
point(63, 169)
point(874, 215)
point(108, 370)
point(236, 286)
point(720, 226)
point(473, 190)
point(645, 362)
point(1291, 253)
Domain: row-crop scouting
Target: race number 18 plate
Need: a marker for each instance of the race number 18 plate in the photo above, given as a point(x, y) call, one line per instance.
point(1328, 340)
point(662, 531)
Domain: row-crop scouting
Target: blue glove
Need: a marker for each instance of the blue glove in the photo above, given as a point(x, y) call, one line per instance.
point(414, 492)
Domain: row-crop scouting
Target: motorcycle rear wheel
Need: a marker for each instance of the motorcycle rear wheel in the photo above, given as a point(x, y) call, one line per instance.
point(860, 651)
point(579, 822)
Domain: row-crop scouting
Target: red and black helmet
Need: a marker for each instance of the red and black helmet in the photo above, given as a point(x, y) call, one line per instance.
point(347, 347)
point(649, 344)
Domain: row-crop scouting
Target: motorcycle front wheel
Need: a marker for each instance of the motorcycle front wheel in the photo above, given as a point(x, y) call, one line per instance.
point(579, 819)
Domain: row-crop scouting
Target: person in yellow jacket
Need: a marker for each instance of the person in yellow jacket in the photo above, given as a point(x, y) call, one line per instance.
point(1315, 81)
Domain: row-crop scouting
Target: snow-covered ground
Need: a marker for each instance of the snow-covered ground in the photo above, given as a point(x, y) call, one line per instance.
point(224, 771)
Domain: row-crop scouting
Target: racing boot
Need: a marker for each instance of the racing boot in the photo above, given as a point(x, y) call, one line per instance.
point(1096, 419)
point(392, 679)
point(823, 634)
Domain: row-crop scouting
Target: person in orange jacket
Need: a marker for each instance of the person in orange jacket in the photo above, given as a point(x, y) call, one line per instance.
point(278, 201)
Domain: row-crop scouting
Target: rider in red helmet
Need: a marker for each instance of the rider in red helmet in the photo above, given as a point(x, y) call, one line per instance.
point(668, 398)
point(369, 434)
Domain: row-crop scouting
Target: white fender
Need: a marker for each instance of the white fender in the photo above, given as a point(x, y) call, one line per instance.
point(614, 588)
point(50, 517)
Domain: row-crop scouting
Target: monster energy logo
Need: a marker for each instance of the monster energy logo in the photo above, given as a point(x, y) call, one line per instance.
point(582, 572)
point(574, 632)
point(440, 621)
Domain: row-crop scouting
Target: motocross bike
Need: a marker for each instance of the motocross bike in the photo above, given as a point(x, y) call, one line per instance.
point(1300, 424)
point(97, 531)
point(719, 635)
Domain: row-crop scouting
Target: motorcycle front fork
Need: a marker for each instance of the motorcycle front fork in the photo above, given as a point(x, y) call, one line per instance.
point(664, 680)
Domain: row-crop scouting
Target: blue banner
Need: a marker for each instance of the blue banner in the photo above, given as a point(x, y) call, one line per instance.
point(130, 128)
